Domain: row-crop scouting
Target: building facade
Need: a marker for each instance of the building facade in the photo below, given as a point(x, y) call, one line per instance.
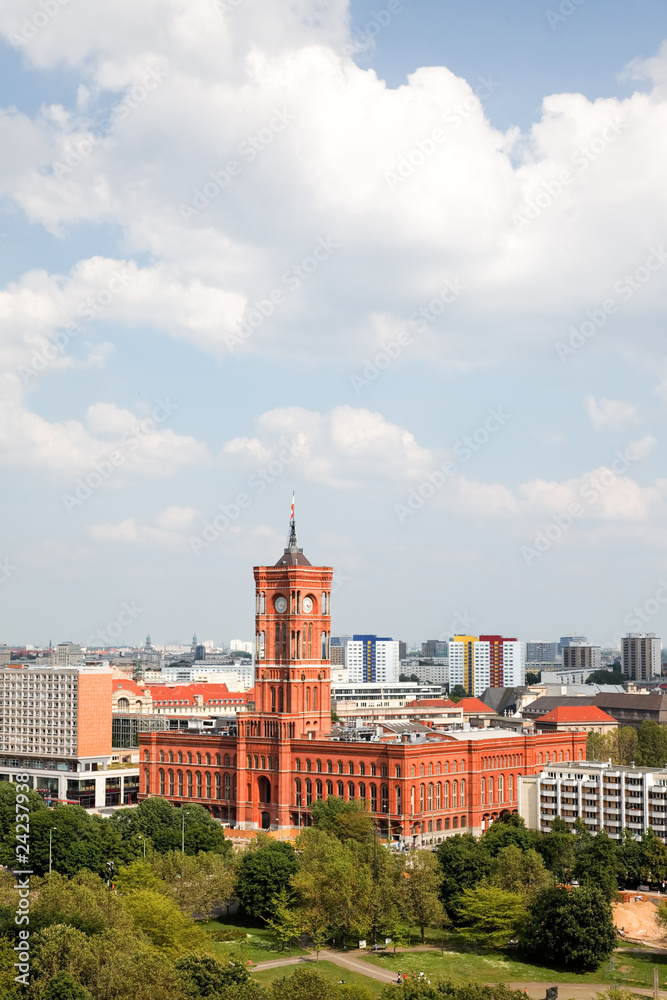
point(488, 661)
point(419, 786)
point(541, 651)
point(640, 655)
point(582, 656)
point(605, 796)
point(371, 659)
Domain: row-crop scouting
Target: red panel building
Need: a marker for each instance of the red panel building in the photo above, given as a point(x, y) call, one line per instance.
point(419, 786)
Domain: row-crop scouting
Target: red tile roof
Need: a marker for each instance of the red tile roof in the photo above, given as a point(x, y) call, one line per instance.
point(575, 713)
point(471, 706)
point(185, 694)
point(431, 703)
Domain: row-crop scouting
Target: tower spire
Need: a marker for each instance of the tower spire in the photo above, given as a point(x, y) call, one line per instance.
point(292, 544)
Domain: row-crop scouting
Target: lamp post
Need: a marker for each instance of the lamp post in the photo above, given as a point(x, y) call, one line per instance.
point(141, 837)
point(51, 829)
point(182, 829)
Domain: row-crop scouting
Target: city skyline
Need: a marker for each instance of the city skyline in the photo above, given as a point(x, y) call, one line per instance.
point(407, 263)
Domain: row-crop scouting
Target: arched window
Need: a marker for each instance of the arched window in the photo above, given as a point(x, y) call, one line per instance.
point(171, 756)
point(412, 799)
point(217, 760)
point(490, 791)
point(297, 788)
point(548, 757)
point(188, 777)
point(170, 777)
point(198, 783)
point(447, 823)
point(412, 771)
point(318, 765)
point(227, 787)
point(362, 789)
point(455, 793)
point(199, 758)
point(430, 767)
point(281, 700)
point(161, 781)
point(438, 824)
point(314, 699)
point(256, 762)
point(454, 766)
point(438, 795)
point(145, 754)
point(422, 795)
point(297, 764)
point(446, 795)
point(398, 798)
point(511, 787)
point(482, 791)
point(463, 794)
point(350, 789)
point(309, 766)
point(123, 704)
point(437, 768)
point(147, 786)
point(309, 791)
point(350, 767)
point(340, 790)
point(318, 788)
point(421, 769)
point(179, 775)
point(397, 771)
point(540, 758)
point(340, 767)
point(581, 755)
point(273, 699)
point(446, 767)
point(430, 796)
point(374, 797)
point(308, 699)
point(501, 788)
point(323, 640)
point(455, 822)
point(362, 768)
point(208, 759)
point(329, 788)
point(383, 770)
point(161, 755)
point(189, 757)
point(329, 767)
point(384, 794)
point(180, 757)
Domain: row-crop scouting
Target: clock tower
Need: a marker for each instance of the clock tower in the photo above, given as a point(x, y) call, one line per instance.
point(292, 681)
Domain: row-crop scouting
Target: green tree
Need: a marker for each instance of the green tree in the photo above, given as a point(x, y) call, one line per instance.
point(308, 984)
point(263, 870)
point(82, 902)
point(508, 830)
point(334, 886)
point(204, 975)
point(163, 825)
point(652, 740)
point(285, 922)
point(557, 849)
point(138, 875)
point(654, 858)
point(613, 676)
point(420, 897)
point(575, 929)
point(596, 863)
point(630, 856)
point(464, 863)
point(457, 692)
point(198, 883)
point(489, 916)
point(345, 820)
point(160, 919)
point(64, 986)
point(522, 872)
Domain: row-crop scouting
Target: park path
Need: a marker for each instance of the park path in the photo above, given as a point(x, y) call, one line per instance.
point(535, 990)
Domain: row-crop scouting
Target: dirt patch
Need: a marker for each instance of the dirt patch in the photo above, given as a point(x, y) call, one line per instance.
point(638, 920)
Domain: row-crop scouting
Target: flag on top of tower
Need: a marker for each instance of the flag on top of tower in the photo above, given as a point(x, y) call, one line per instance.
point(291, 513)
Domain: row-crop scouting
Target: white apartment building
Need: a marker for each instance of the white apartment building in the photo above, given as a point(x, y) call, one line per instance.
point(369, 659)
point(641, 655)
point(238, 676)
point(431, 673)
point(239, 646)
point(606, 796)
point(488, 661)
point(67, 653)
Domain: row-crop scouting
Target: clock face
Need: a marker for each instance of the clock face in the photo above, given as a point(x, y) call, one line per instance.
point(307, 605)
point(281, 605)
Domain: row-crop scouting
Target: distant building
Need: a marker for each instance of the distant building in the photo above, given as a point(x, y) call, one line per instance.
point(488, 661)
point(576, 719)
point(582, 656)
point(565, 640)
point(540, 651)
point(402, 649)
point(640, 655)
point(431, 672)
point(5, 655)
point(239, 646)
point(434, 647)
point(67, 653)
point(372, 659)
point(238, 675)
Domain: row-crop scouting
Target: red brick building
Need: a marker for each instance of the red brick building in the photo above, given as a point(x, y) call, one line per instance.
point(285, 755)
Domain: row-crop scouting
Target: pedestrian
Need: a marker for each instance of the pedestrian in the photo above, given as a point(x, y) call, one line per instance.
point(399, 979)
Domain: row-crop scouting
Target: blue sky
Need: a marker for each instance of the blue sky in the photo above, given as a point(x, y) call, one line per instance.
point(514, 153)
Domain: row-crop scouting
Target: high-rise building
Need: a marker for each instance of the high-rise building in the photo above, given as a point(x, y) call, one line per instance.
point(434, 647)
point(67, 653)
point(640, 655)
point(540, 651)
point(565, 640)
point(371, 658)
point(402, 649)
point(582, 656)
point(488, 661)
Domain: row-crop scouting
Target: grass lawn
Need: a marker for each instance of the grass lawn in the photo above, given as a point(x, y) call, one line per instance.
point(489, 967)
point(328, 970)
point(225, 938)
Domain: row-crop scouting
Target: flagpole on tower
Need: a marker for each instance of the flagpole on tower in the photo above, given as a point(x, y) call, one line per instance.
point(292, 543)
